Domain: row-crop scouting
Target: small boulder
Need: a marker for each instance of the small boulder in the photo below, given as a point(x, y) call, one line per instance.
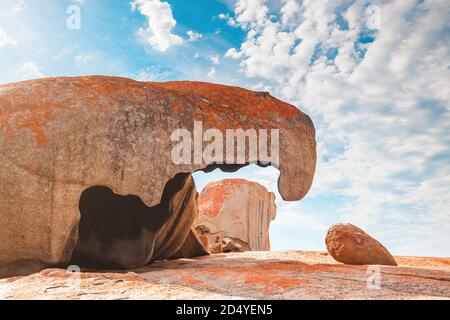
point(234, 245)
point(350, 245)
point(216, 248)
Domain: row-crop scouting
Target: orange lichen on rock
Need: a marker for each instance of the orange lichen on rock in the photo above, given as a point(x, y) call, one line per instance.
point(247, 275)
point(214, 99)
point(33, 119)
point(244, 101)
point(213, 196)
point(39, 101)
point(238, 210)
point(283, 275)
point(36, 124)
point(61, 273)
point(351, 245)
point(35, 106)
point(256, 276)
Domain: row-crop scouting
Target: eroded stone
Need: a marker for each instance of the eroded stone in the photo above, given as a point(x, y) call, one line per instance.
point(244, 275)
point(62, 136)
point(350, 245)
point(237, 209)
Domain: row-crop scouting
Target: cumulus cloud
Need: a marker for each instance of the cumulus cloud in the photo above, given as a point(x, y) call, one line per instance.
point(83, 58)
point(233, 53)
point(160, 24)
point(65, 52)
point(212, 72)
point(15, 9)
point(151, 73)
point(230, 20)
point(379, 98)
point(250, 12)
point(214, 59)
point(28, 70)
point(5, 39)
point(193, 36)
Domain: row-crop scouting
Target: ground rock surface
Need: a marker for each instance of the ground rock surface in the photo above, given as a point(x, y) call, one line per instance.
point(293, 275)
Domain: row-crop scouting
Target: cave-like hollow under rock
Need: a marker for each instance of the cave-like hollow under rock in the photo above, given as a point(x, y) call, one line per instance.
point(101, 145)
point(121, 232)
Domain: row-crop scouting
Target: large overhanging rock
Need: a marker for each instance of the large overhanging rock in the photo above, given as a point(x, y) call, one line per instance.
point(60, 137)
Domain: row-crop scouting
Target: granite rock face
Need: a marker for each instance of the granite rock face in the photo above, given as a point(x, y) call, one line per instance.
point(61, 138)
point(237, 209)
point(350, 245)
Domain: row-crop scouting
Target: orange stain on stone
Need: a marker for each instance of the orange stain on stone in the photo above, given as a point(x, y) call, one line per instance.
point(60, 273)
point(32, 119)
point(34, 104)
point(213, 196)
point(37, 105)
point(267, 277)
point(213, 199)
point(213, 99)
point(36, 124)
point(250, 102)
point(176, 108)
point(191, 280)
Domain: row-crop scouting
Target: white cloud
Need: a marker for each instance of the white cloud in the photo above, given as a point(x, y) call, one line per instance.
point(230, 20)
point(291, 217)
point(233, 53)
point(151, 74)
point(381, 108)
point(160, 24)
point(211, 72)
point(28, 70)
point(16, 8)
point(251, 12)
point(64, 52)
point(290, 13)
point(83, 58)
point(214, 59)
point(193, 36)
point(5, 39)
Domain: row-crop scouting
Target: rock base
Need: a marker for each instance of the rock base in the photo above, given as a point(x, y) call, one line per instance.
point(293, 275)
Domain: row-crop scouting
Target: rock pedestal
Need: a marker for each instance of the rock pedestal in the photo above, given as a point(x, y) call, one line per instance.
point(237, 208)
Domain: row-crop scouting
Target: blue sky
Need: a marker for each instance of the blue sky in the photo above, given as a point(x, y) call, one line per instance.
point(107, 42)
point(373, 75)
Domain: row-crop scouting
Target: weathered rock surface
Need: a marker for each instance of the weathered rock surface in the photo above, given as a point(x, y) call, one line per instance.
point(248, 275)
point(60, 137)
point(349, 244)
point(237, 208)
point(112, 235)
